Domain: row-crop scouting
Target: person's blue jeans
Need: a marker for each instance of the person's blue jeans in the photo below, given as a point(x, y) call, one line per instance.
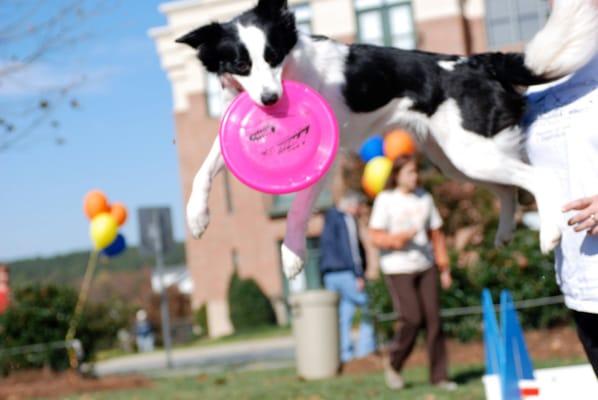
point(345, 284)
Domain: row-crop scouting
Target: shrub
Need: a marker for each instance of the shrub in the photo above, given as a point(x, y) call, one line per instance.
point(180, 313)
point(201, 319)
point(519, 267)
point(41, 314)
point(249, 307)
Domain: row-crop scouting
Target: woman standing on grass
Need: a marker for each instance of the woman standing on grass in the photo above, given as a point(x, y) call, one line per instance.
point(405, 226)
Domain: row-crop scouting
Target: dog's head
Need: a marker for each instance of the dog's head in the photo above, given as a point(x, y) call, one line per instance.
point(250, 49)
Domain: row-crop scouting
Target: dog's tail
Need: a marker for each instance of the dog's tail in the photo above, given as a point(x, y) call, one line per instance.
point(567, 42)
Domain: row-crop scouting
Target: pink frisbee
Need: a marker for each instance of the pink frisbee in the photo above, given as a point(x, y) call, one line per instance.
point(281, 148)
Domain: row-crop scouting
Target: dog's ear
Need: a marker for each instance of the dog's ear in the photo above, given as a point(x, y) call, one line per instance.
point(206, 34)
point(272, 7)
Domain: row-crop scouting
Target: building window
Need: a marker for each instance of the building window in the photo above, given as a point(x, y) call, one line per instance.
point(302, 17)
point(385, 23)
point(214, 89)
point(510, 22)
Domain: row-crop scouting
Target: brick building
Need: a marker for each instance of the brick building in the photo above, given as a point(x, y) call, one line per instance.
point(247, 227)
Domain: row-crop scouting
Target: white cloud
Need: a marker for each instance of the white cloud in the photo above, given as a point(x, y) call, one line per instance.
point(23, 81)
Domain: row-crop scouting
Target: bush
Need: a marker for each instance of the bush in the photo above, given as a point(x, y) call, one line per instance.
point(41, 314)
point(249, 307)
point(201, 319)
point(519, 267)
point(179, 311)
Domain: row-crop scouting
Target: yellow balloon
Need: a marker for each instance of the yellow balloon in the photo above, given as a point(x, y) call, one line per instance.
point(375, 175)
point(103, 230)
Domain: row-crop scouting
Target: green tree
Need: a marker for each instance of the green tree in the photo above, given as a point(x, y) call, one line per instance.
point(41, 314)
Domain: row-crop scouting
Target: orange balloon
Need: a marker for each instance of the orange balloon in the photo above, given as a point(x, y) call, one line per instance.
point(94, 203)
point(398, 143)
point(119, 212)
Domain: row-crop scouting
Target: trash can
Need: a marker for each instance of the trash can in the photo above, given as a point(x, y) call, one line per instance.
point(315, 328)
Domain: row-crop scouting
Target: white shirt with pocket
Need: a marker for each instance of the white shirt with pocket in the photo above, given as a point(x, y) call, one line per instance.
point(562, 136)
point(395, 212)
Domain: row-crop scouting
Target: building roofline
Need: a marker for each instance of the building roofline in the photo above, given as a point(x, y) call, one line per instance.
point(181, 5)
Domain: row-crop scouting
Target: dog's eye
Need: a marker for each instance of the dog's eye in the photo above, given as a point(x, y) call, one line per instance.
point(271, 57)
point(243, 67)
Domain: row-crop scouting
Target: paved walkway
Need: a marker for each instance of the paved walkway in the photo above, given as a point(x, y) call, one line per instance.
point(252, 354)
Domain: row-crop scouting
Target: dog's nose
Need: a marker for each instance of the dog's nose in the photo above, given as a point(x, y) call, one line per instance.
point(269, 98)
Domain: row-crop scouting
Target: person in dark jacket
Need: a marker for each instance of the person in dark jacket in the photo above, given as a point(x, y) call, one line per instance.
point(343, 265)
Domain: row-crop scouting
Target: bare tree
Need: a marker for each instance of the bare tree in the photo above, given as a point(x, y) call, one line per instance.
point(32, 33)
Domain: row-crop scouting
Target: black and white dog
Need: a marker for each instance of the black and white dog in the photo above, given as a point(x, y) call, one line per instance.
point(464, 111)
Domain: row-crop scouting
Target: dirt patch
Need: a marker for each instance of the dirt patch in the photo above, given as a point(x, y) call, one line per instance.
point(27, 384)
point(554, 343)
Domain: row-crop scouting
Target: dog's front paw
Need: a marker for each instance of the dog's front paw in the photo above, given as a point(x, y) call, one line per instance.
point(292, 264)
point(198, 217)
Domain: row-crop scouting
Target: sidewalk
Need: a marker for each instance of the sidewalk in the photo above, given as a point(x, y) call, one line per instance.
point(251, 354)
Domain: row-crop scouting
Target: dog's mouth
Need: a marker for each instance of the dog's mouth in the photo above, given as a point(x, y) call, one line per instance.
point(227, 81)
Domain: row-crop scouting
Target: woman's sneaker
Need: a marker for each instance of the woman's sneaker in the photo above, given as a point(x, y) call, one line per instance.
point(393, 379)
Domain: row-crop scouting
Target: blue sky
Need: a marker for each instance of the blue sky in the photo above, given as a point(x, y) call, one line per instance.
point(119, 140)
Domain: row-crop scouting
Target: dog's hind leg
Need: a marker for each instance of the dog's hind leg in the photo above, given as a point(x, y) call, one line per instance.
point(293, 247)
point(507, 195)
point(495, 160)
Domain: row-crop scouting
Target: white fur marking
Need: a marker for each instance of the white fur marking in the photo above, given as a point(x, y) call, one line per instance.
point(447, 65)
point(198, 216)
point(262, 77)
point(291, 263)
point(485, 159)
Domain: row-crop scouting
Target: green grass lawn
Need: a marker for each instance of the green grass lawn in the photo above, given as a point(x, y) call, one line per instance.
point(284, 384)
point(263, 332)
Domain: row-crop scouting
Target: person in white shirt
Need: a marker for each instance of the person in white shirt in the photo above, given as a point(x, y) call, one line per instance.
point(562, 136)
point(405, 226)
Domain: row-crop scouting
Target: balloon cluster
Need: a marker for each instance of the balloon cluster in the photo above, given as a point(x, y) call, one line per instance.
point(105, 220)
point(379, 153)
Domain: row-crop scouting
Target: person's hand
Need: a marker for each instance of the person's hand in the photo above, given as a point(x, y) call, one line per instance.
point(446, 280)
point(401, 239)
point(360, 283)
point(587, 217)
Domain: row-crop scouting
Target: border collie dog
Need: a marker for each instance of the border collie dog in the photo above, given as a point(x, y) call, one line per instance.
point(463, 111)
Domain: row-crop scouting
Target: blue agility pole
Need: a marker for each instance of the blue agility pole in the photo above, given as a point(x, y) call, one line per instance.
point(517, 365)
point(492, 337)
point(506, 354)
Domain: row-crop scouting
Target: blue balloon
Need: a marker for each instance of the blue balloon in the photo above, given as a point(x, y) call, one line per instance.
point(116, 247)
point(372, 147)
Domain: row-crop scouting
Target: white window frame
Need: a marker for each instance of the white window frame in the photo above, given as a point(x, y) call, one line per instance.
point(384, 9)
point(514, 18)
